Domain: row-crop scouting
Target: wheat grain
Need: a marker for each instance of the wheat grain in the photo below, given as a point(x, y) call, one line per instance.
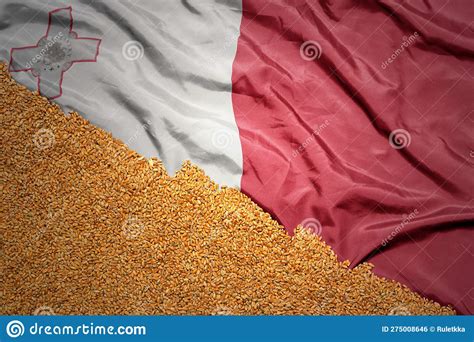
point(90, 227)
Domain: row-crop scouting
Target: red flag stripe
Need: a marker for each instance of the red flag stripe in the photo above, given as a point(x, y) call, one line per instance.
point(349, 121)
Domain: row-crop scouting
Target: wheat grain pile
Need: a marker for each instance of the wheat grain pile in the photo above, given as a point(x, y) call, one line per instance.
point(89, 227)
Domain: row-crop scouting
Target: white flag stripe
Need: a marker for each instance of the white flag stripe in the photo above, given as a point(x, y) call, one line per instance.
point(162, 80)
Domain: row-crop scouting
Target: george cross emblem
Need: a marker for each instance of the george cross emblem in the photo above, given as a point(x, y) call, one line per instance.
point(54, 53)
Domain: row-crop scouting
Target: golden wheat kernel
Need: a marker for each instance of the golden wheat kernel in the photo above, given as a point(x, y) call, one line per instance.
point(90, 227)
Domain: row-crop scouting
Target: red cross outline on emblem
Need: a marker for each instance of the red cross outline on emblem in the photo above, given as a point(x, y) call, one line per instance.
point(54, 53)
